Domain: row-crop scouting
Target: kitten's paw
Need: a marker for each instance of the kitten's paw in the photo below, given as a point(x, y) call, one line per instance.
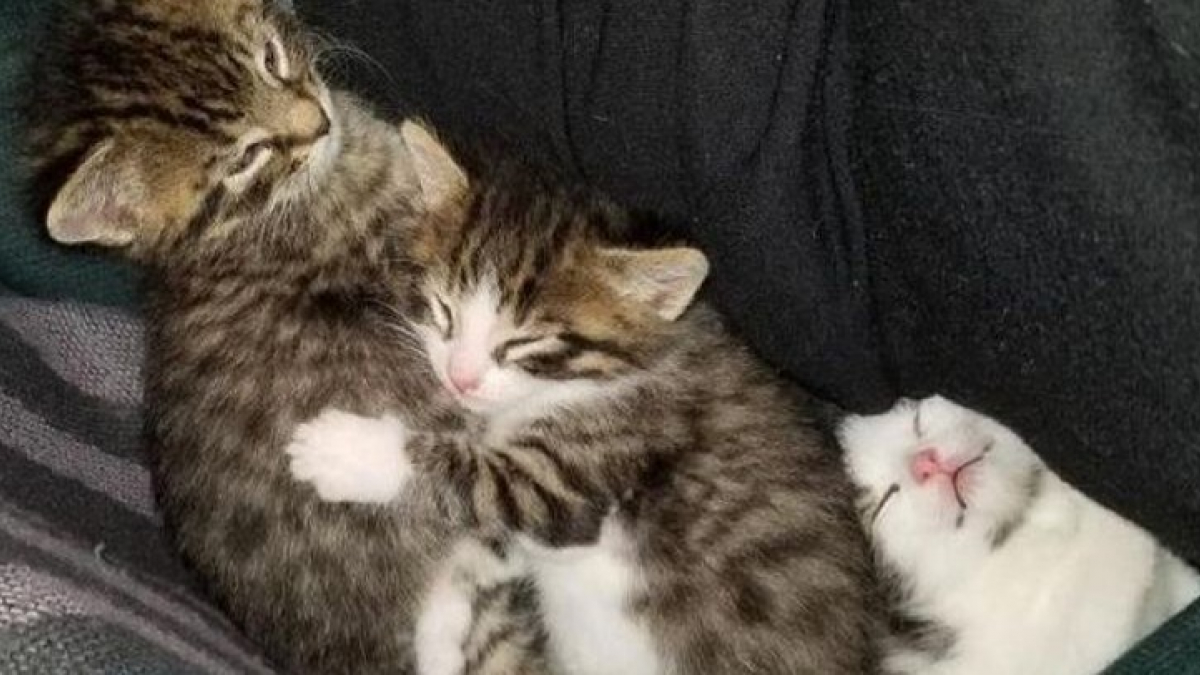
point(448, 612)
point(351, 458)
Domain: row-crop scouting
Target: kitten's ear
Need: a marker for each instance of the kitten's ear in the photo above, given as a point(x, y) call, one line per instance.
point(101, 202)
point(666, 279)
point(440, 176)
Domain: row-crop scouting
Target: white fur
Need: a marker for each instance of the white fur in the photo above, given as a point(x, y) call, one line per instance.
point(506, 392)
point(446, 618)
point(585, 593)
point(351, 458)
point(1071, 588)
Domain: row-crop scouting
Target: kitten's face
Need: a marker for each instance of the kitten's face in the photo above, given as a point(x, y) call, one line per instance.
point(174, 110)
point(499, 340)
point(491, 359)
point(523, 306)
point(936, 467)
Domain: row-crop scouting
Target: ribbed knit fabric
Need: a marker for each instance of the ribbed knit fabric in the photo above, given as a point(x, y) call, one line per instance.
point(1173, 650)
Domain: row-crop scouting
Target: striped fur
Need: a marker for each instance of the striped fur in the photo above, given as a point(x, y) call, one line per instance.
point(172, 93)
point(272, 296)
point(746, 550)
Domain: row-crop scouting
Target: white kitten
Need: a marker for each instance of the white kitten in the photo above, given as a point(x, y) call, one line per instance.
point(1000, 567)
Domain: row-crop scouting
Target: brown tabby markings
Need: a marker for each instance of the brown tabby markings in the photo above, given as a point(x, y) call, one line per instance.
point(266, 304)
point(741, 518)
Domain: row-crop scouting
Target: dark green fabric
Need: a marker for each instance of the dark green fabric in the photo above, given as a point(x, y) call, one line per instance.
point(1173, 650)
point(30, 263)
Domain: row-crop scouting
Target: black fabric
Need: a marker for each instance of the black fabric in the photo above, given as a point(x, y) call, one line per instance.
point(996, 201)
point(1030, 179)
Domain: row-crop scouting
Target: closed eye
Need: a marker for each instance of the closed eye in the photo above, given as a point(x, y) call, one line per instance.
point(253, 158)
point(568, 355)
point(521, 348)
point(274, 63)
point(443, 318)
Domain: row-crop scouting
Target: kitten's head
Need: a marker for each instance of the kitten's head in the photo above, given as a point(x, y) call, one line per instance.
point(524, 302)
point(933, 467)
point(152, 115)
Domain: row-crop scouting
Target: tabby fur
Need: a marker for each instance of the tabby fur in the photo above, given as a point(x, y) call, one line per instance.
point(665, 430)
point(272, 218)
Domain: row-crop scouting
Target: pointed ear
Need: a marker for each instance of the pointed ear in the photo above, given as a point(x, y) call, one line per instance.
point(101, 203)
point(440, 176)
point(666, 279)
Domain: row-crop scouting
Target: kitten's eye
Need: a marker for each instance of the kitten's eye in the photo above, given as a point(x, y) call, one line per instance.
point(253, 158)
point(442, 317)
point(518, 349)
point(274, 63)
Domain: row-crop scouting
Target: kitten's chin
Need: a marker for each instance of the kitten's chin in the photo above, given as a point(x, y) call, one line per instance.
point(476, 405)
point(325, 152)
point(323, 157)
point(542, 402)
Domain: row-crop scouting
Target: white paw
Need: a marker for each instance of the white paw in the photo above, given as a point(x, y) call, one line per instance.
point(351, 458)
point(443, 627)
point(447, 612)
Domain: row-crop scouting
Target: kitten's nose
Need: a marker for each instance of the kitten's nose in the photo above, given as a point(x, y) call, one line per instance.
point(926, 464)
point(323, 128)
point(308, 120)
point(464, 379)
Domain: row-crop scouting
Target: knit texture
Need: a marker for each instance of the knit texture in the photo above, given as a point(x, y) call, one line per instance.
point(1172, 650)
point(88, 582)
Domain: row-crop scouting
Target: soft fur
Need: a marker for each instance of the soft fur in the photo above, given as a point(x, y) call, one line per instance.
point(999, 567)
point(678, 508)
point(272, 217)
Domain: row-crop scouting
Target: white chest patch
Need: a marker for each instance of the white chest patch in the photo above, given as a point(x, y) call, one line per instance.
point(585, 593)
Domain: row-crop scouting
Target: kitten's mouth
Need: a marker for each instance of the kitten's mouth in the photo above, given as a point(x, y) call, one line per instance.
point(931, 464)
point(957, 478)
point(324, 150)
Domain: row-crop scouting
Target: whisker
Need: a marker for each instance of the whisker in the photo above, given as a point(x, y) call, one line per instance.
point(887, 496)
point(962, 503)
point(330, 48)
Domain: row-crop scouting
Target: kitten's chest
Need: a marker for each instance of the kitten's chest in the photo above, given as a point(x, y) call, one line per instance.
point(588, 597)
point(1042, 605)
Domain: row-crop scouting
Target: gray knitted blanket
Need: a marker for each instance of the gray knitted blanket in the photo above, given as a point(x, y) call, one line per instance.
point(88, 583)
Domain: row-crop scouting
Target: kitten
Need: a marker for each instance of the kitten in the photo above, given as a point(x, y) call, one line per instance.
point(676, 505)
point(272, 217)
point(998, 566)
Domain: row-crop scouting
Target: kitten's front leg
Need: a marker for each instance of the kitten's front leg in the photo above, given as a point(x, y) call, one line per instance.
point(351, 458)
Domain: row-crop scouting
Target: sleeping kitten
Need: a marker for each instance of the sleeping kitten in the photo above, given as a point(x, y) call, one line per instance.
point(998, 566)
point(678, 508)
point(198, 139)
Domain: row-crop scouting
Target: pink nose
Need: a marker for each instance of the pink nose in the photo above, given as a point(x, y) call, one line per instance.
point(926, 464)
point(465, 380)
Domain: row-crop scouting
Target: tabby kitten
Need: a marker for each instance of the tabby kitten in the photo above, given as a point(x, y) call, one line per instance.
point(272, 216)
point(677, 507)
